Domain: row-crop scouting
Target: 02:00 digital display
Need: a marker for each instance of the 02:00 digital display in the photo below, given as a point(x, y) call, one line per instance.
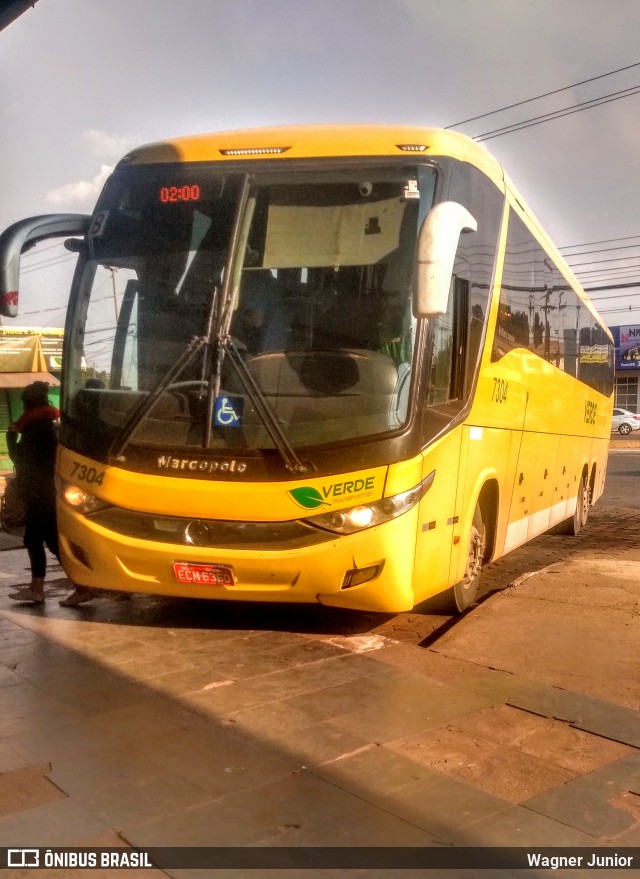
point(180, 193)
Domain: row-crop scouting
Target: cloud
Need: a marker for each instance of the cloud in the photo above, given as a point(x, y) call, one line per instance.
point(82, 194)
point(108, 147)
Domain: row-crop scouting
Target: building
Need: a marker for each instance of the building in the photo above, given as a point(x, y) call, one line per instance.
point(627, 339)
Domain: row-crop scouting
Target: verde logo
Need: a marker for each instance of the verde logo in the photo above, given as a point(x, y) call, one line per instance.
point(311, 498)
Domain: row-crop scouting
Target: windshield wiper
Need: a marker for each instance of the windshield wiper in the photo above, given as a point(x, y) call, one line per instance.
point(217, 341)
point(226, 345)
point(265, 413)
point(262, 407)
point(140, 412)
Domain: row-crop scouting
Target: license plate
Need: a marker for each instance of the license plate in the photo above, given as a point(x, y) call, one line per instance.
point(203, 574)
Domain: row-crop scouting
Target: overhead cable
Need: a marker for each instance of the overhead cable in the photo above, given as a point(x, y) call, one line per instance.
point(52, 261)
point(604, 241)
point(570, 256)
point(545, 95)
point(558, 114)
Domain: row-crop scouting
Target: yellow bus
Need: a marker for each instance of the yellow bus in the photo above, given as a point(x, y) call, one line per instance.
point(326, 364)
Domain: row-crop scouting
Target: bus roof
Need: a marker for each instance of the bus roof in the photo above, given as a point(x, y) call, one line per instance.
point(340, 141)
point(318, 141)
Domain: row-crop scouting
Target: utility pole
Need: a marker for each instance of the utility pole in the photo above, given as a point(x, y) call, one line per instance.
point(546, 308)
point(113, 287)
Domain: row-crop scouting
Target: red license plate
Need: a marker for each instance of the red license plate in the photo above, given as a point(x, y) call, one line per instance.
point(203, 575)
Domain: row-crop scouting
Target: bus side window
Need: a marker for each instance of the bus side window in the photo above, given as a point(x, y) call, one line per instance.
point(475, 259)
point(449, 349)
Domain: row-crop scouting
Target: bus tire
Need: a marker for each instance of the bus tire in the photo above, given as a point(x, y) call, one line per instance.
point(466, 591)
point(573, 524)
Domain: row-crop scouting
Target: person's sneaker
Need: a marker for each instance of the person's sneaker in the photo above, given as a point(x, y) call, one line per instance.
point(27, 594)
point(78, 596)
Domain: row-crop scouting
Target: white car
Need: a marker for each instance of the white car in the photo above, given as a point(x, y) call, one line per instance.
point(624, 421)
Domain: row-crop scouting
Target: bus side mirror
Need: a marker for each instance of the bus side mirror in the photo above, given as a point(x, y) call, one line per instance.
point(437, 245)
point(22, 235)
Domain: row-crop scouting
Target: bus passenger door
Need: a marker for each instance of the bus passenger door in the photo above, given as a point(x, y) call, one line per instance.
point(444, 401)
point(435, 525)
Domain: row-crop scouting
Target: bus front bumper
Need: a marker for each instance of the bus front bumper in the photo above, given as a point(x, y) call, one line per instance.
point(370, 570)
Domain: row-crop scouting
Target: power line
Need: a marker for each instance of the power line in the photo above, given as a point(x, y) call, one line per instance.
point(612, 283)
point(47, 264)
point(545, 95)
point(595, 262)
point(38, 250)
point(610, 274)
point(44, 310)
point(604, 241)
point(621, 295)
point(617, 310)
point(46, 260)
point(570, 256)
point(558, 114)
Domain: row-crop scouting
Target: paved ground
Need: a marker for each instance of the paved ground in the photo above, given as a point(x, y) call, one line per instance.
point(153, 723)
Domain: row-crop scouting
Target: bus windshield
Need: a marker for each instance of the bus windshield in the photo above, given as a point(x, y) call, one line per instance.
point(305, 277)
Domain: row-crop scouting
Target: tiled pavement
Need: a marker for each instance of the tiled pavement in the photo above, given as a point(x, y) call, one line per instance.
point(121, 726)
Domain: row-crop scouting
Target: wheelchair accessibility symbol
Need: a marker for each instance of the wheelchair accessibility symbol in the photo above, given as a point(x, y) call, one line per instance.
point(228, 412)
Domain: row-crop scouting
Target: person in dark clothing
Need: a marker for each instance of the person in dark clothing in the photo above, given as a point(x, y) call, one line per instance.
point(261, 322)
point(32, 442)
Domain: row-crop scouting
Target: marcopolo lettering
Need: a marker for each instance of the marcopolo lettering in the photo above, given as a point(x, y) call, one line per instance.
point(200, 465)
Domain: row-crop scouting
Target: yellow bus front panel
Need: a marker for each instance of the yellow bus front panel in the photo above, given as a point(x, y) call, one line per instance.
point(371, 569)
point(93, 556)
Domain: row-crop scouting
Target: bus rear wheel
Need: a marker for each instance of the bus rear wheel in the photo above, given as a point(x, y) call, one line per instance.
point(573, 524)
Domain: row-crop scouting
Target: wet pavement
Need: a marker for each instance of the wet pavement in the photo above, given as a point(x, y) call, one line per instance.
point(152, 722)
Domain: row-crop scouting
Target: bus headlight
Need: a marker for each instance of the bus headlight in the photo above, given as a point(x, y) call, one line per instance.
point(367, 515)
point(79, 499)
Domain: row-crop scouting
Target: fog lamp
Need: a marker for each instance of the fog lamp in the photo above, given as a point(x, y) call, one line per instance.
point(359, 575)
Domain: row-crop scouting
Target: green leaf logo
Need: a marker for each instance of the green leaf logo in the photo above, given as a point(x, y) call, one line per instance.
point(308, 497)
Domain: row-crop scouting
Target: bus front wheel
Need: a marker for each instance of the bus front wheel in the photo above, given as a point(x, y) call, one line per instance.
point(465, 592)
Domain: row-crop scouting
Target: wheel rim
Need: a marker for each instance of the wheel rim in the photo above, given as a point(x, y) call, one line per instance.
point(476, 554)
point(586, 502)
point(583, 505)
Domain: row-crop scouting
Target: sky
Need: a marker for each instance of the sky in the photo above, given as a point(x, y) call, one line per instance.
point(82, 81)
